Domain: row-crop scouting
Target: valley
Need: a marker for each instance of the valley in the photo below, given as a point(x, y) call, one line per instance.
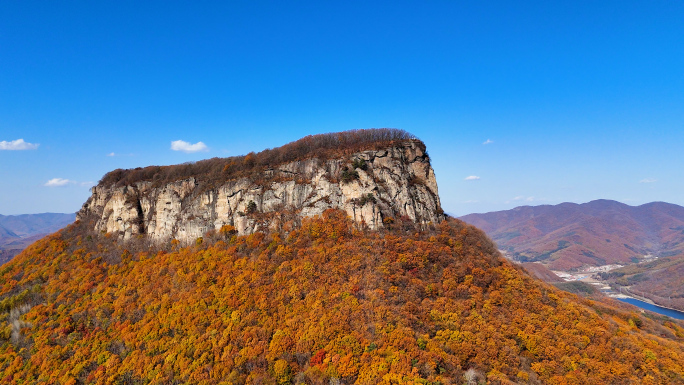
point(625, 251)
point(595, 276)
point(19, 231)
point(652, 278)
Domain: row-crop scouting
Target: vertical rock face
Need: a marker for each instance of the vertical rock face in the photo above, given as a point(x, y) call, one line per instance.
point(371, 186)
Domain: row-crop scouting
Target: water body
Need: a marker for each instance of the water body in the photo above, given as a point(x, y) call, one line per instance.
point(656, 309)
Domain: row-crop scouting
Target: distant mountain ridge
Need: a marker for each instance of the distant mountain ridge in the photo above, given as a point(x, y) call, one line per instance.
point(599, 232)
point(18, 231)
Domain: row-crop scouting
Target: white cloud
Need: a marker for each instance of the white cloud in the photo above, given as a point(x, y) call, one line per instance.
point(521, 198)
point(488, 141)
point(181, 145)
point(18, 144)
point(648, 180)
point(472, 177)
point(111, 154)
point(61, 182)
point(57, 182)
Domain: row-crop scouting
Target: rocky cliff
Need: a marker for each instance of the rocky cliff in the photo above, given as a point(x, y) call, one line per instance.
point(374, 186)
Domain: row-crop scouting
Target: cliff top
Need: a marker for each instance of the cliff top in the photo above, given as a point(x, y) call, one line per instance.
point(321, 146)
point(373, 175)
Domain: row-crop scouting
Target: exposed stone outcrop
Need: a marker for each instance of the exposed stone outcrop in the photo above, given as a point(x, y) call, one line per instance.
point(392, 182)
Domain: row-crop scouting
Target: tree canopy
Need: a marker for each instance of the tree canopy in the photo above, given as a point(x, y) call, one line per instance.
point(325, 303)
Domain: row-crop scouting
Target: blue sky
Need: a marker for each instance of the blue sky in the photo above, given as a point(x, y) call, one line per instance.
point(575, 101)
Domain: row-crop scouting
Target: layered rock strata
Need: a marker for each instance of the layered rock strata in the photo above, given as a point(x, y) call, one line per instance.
point(374, 187)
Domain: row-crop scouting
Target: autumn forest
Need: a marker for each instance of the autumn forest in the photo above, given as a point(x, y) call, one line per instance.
point(326, 303)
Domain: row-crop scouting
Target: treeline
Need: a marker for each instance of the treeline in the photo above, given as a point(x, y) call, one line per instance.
point(322, 146)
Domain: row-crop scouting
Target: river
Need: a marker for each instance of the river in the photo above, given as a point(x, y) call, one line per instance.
point(656, 309)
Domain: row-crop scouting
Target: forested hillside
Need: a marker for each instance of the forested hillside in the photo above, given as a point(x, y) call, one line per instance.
point(661, 280)
point(326, 303)
point(19, 231)
point(569, 236)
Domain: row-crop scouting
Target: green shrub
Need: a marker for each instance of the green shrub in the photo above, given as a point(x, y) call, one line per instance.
point(368, 198)
point(348, 175)
point(359, 163)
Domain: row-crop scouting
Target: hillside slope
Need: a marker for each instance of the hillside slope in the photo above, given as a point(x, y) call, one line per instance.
point(326, 303)
point(660, 280)
point(19, 231)
point(570, 235)
point(31, 224)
